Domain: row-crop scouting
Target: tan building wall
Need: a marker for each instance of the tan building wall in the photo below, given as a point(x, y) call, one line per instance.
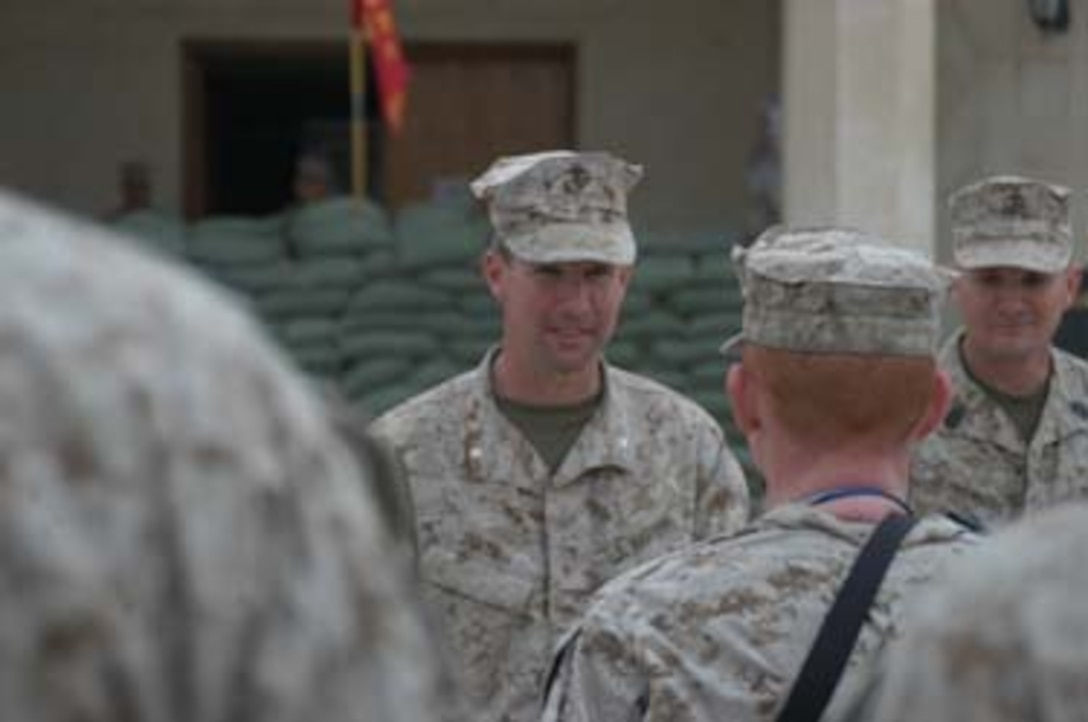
point(675, 86)
point(1012, 99)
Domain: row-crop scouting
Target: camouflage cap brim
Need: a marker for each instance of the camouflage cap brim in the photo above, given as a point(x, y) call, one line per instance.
point(1028, 254)
point(613, 244)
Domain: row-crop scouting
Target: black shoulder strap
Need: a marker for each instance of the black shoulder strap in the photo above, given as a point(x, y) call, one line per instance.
point(827, 658)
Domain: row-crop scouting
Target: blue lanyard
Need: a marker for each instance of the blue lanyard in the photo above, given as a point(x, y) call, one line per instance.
point(846, 492)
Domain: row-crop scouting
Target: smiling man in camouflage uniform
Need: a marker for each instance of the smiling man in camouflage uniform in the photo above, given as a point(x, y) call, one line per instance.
point(837, 381)
point(182, 534)
point(1016, 437)
point(545, 471)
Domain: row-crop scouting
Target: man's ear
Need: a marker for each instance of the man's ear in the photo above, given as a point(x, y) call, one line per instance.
point(939, 402)
point(492, 268)
point(1072, 285)
point(954, 288)
point(739, 390)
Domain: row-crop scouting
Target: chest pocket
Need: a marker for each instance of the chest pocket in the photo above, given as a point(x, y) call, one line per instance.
point(481, 580)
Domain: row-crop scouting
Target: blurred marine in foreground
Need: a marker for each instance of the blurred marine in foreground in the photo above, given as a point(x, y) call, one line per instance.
point(182, 534)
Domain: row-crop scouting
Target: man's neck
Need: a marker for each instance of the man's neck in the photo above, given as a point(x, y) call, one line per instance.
point(525, 385)
point(1015, 376)
point(805, 477)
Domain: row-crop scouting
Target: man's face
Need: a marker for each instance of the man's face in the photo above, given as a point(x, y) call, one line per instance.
point(1012, 313)
point(557, 317)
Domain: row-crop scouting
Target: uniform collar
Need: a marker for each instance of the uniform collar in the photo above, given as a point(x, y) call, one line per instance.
point(801, 515)
point(974, 414)
point(607, 440)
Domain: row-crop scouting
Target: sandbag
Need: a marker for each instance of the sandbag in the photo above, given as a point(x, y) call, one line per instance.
point(155, 229)
point(327, 272)
point(359, 320)
point(370, 375)
point(235, 241)
point(680, 353)
point(255, 279)
point(398, 294)
point(477, 304)
point(468, 351)
point(431, 235)
point(433, 372)
point(655, 324)
point(662, 272)
point(337, 226)
point(703, 300)
point(294, 303)
point(457, 279)
point(309, 331)
point(402, 344)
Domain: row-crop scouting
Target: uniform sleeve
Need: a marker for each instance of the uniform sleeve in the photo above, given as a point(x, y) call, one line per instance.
point(382, 469)
point(925, 472)
point(724, 501)
point(595, 677)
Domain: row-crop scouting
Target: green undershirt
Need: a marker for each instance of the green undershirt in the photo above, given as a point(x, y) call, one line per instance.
point(552, 430)
point(1024, 411)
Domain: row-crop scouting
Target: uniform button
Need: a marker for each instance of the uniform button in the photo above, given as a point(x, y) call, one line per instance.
point(622, 442)
point(475, 453)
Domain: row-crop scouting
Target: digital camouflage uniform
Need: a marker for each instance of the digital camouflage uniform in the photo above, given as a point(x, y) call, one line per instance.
point(182, 537)
point(1005, 640)
point(728, 646)
point(977, 463)
point(510, 553)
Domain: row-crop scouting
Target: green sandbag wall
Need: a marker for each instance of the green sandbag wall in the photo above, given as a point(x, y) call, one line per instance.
point(385, 305)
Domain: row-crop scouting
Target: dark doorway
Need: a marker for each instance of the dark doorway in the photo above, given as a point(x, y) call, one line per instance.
point(253, 109)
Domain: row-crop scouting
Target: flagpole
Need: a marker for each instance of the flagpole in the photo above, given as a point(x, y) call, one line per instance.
point(358, 109)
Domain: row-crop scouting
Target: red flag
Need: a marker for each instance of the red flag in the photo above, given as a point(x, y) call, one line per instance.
point(375, 17)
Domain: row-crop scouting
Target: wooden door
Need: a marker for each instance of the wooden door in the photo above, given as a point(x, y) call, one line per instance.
point(468, 104)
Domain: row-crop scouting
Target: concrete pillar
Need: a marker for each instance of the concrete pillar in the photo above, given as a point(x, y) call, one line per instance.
point(859, 109)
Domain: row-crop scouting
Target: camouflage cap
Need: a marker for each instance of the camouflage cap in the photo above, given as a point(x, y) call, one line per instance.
point(1011, 221)
point(560, 206)
point(837, 290)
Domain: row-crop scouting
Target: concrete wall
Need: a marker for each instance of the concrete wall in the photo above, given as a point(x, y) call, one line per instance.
point(676, 86)
point(1012, 99)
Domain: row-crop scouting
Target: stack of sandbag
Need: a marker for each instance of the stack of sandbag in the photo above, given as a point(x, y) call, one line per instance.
point(241, 252)
point(332, 249)
point(426, 320)
point(441, 244)
point(162, 231)
point(388, 310)
point(683, 302)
